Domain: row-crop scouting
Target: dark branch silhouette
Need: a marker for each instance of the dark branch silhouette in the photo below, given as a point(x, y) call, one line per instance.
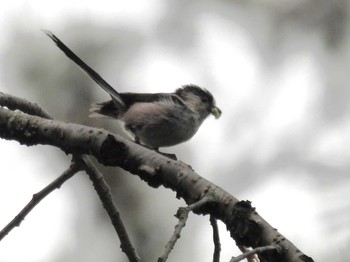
point(57, 183)
point(104, 192)
point(216, 239)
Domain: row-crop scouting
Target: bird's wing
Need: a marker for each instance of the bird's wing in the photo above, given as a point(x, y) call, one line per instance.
point(131, 98)
point(87, 69)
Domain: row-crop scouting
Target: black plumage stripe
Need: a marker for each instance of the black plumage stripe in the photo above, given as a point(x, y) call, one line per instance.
point(131, 98)
point(87, 69)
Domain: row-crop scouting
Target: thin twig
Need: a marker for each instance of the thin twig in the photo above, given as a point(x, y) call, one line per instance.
point(254, 251)
point(57, 183)
point(182, 215)
point(16, 103)
point(216, 239)
point(204, 200)
point(251, 257)
point(104, 192)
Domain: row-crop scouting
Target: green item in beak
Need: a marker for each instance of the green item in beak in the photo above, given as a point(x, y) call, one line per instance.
point(216, 112)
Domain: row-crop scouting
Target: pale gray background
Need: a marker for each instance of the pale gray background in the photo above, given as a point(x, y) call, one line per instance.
point(279, 71)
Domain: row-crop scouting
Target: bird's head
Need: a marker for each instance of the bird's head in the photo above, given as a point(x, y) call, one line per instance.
point(199, 100)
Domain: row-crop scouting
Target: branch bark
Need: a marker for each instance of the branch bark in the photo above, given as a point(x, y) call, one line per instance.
point(81, 161)
point(246, 227)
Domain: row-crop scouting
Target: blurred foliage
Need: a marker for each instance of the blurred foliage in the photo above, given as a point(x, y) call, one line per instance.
point(276, 29)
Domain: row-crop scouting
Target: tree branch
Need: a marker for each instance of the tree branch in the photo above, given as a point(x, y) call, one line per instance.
point(216, 239)
point(104, 192)
point(57, 183)
point(254, 251)
point(246, 227)
point(16, 103)
point(96, 177)
point(182, 215)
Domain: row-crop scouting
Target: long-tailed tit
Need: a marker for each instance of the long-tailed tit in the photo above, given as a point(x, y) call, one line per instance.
point(155, 120)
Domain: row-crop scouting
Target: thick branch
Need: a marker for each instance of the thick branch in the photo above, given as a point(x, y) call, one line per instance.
point(100, 185)
point(245, 225)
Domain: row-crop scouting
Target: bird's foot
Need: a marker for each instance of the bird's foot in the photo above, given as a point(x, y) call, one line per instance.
point(171, 156)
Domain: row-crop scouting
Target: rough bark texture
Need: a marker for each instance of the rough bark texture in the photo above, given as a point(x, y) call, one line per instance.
point(246, 227)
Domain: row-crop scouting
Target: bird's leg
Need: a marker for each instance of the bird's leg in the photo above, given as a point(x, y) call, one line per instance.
point(171, 156)
point(137, 140)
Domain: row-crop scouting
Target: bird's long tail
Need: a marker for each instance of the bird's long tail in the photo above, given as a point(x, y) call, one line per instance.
point(87, 69)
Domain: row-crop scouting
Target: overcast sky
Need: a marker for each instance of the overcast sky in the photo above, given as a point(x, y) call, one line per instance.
point(288, 106)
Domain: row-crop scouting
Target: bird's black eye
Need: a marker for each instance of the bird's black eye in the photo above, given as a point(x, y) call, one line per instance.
point(205, 99)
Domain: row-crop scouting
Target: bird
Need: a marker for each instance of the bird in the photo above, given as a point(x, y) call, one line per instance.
point(154, 119)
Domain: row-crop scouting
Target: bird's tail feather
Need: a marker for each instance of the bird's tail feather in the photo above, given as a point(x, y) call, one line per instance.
point(108, 108)
point(87, 69)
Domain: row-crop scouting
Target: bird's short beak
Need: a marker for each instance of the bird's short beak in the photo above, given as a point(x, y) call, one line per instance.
point(216, 112)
